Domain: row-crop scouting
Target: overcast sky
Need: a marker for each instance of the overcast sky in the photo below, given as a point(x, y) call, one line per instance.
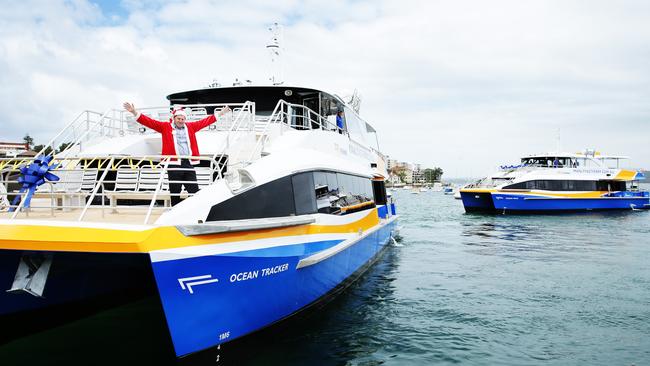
point(463, 85)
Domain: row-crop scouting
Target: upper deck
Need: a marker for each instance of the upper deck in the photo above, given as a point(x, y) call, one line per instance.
point(587, 159)
point(111, 170)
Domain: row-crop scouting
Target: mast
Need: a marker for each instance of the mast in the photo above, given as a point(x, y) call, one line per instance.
point(275, 49)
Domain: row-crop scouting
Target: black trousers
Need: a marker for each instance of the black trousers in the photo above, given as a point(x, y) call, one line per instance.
point(179, 176)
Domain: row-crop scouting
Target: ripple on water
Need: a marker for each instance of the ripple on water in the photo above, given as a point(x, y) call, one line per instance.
point(495, 289)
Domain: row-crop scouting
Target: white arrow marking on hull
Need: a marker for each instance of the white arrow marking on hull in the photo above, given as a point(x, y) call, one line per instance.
point(188, 282)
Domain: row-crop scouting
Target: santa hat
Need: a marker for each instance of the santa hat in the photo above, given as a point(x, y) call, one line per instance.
point(179, 112)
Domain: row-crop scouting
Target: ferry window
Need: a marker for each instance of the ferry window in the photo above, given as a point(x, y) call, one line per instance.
point(585, 185)
point(303, 194)
point(521, 185)
point(327, 191)
point(273, 199)
point(338, 193)
point(300, 194)
point(379, 192)
point(345, 184)
point(562, 185)
point(542, 184)
point(611, 186)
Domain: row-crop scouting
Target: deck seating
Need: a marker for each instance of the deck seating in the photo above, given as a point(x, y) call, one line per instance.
point(72, 189)
point(127, 179)
point(138, 184)
point(141, 184)
point(149, 178)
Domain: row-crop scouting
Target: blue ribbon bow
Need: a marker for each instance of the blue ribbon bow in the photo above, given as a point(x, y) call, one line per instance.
point(34, 175)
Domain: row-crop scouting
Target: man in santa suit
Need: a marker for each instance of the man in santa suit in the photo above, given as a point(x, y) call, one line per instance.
point(178, 138)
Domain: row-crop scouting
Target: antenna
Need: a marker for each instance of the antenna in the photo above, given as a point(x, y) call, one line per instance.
point(214, 84)
point(275, 50)
point(558, 140)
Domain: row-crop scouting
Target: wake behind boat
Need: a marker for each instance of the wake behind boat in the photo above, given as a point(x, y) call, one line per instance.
point(291, 209)
point(558, 182)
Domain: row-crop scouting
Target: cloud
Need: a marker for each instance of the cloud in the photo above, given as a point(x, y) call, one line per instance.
point(464, 85)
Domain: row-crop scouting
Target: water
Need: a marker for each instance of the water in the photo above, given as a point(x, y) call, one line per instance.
point(484, 290)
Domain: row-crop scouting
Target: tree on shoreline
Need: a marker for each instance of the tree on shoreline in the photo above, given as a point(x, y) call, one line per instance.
point(29, 141)
point(433, 175)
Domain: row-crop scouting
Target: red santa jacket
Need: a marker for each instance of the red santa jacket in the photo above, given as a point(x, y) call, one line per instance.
point(169, 133)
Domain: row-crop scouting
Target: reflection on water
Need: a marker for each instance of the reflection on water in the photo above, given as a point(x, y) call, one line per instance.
point(488, 289)
point(482, 290)
point(343, 329)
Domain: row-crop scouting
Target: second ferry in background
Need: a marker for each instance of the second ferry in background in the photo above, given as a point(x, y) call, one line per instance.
point(558, 182)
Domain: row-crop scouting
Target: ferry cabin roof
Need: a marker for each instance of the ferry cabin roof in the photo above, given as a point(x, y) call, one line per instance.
point(572, 159)
point(267, 97)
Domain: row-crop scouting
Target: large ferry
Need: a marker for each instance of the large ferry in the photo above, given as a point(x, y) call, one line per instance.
point(558, 182)
point(292, 208)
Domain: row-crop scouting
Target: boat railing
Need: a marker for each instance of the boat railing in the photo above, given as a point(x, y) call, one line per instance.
point(287, 116)
point(100, 188)
point(90, 127)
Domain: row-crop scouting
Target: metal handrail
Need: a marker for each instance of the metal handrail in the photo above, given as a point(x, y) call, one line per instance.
point(106, 164)
point(158, 187)
point(95, 189)
point(279, 112)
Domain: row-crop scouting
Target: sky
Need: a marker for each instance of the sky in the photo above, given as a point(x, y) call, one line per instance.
point(462, 85)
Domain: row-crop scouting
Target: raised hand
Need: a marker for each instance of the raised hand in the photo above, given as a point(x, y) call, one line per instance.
point(223, 111)
point(130, 107)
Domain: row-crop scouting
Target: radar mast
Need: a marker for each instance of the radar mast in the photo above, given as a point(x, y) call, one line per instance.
point(275, 50)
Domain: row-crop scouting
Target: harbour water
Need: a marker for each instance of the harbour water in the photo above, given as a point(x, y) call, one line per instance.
point(485, 290)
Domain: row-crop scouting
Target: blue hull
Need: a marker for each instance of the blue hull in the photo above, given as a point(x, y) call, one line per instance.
point(524, 203)
point(477, 202)
point(253, 289)
point(513, 203)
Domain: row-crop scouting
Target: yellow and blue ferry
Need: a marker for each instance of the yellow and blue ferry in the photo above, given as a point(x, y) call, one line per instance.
point(291, 209)
point(558, 182)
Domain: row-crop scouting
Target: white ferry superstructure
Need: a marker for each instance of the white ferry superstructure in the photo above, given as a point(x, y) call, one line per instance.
point(291, 210)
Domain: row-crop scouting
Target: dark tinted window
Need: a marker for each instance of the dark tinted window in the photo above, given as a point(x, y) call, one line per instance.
point(273, 199)
point(611, 185)
point(379, 191)
point(300, 194)
point(303, 193)
point(570, 185)
point(338, 193)
point(326, 187)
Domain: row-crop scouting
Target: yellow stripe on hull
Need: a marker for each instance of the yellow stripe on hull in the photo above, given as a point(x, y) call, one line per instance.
point(591, 194)
point(477, 190)
point(82, 239)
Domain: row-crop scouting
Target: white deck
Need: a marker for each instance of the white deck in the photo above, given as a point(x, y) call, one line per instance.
point(110, 169)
